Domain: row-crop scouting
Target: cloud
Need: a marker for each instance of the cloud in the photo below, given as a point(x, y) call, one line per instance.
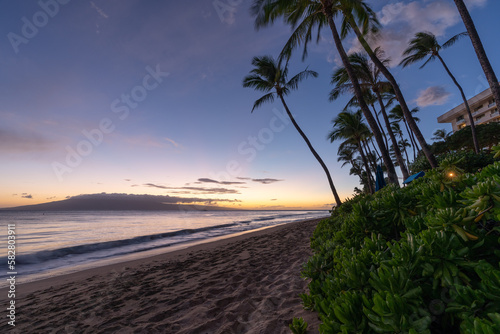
point(195, 190)
point(401, 21)
point(154, 198)
point(25, 195)
point(206, 180)
point(266, 180)
point(99, 10)
point(475, 3)
point(152, 185)
point(435, 95)
point(23, 142)
point(202, 190)
point(173, 142)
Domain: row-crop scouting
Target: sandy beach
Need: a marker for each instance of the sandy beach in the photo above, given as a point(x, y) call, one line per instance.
point(244, 284)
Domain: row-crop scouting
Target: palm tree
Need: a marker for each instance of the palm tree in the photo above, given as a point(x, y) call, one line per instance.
point(305, 16)
point(396, 114)
point(425, 45)
point(478, 47)
point(397, 129)
point(441, 134)
point(350, 127)
point(346, 155)
point(370, 99)
point(369, 77)
point(358, 10)
point(270, 77)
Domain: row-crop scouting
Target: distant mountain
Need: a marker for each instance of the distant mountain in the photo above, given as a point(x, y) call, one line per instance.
point(110, 202)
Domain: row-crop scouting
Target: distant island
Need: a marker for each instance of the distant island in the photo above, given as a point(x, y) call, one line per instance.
point(113, 202)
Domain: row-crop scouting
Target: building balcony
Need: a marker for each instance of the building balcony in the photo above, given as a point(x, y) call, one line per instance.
point(462, 121)
point(492, 104)
point(479, 111)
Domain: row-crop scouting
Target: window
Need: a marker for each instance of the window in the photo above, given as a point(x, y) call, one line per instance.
point(478, 108)
point(494, 112)
point(478, 118)
point(491, 103)
point(460, 118)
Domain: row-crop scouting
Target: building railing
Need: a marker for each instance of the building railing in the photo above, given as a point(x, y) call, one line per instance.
point(492, 104)
point(461, 121)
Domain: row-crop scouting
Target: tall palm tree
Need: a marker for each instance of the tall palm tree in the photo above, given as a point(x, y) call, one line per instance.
point(370, 100)
point(346, 155)
point(440, 134)
point(396, 114)
point(369, 78)
point(270, 77)
point(397, 129)
point(305, 16)
point(425, 45)
point(350, 127)
point(478, 47)
point(357, 13)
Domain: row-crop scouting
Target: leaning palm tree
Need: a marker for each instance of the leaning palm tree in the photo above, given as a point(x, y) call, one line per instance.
point(425, 45)
point(396, 114)
point(478, 47)
point(305, 16)
point(369, 78)
point(350, 127)
point(359, 17)
point(440, 134)
point(370, 100)
point(397, 129)
point(346, 155)
point(270, 77)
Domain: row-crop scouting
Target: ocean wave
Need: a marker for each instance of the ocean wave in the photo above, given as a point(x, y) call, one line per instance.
point(48, 255)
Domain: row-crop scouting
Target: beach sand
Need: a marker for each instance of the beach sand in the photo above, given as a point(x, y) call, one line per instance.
point(244, 284)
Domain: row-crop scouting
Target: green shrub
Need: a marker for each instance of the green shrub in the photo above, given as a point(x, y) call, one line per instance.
point(298, 326)
point(469, 161)
point(420, 259)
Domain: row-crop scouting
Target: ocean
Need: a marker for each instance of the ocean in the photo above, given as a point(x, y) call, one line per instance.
point(49, 244)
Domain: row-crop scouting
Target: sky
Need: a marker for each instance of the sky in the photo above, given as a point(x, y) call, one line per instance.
point(146, 97)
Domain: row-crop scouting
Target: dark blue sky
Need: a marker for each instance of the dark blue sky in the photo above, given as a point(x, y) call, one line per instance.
point(145, 97)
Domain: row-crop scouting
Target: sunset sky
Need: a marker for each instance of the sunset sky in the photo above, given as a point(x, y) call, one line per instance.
point(146, 97)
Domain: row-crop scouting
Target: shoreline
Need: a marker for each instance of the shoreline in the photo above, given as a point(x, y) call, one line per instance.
point(217, 274)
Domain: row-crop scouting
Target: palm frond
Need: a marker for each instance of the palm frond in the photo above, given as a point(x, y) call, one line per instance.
point(257, 83)
point(266, 98)
point(294, 82)
point(454, 39)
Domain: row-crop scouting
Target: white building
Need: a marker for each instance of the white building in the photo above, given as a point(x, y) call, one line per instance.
point(482, 106)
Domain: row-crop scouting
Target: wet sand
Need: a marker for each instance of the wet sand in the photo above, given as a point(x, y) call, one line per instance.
point(244, 284)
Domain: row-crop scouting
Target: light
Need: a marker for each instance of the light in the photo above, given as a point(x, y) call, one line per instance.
point(451, 174)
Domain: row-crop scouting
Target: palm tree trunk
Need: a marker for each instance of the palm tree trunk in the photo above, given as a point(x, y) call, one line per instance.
point(399, 95)
point(375, 149)
point(313, 151)
point(412, 139)
point(478, 47)
point(407, 159)
point(380, 125)
point(373, 163)
point(472, 126)
point(391, 172)
point(397, 151)
point(368, 173)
